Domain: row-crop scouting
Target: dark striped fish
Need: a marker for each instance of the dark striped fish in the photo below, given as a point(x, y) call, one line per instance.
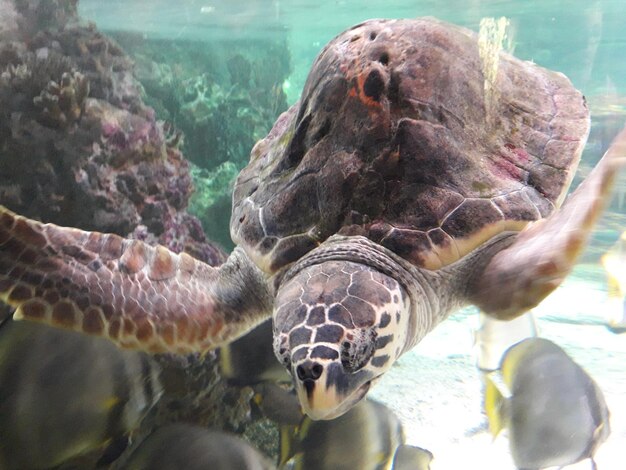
point(556, 414)
point(182, 446)
point(63, 394)
point(364, 438)
point(412, 458)
point(250, 359)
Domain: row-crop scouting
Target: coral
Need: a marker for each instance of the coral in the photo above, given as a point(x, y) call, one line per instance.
point(240, 70)
point(62, 104)
point(35, 15)
point(77, 144)
point(206, 405)
point(211, 185)
point(126, 136)
point(104, 63)
point(29, 81)
point(221, 122)
point(211, 200)
point(8, 19)
point(223, 98)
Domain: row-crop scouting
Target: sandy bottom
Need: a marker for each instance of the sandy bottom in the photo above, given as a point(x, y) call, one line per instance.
point(435, 389)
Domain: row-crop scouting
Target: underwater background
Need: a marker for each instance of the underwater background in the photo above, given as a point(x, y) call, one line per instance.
point(434, 388)
point(214, 75)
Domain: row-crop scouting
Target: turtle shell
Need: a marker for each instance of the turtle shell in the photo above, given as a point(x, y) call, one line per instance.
point(395, 138)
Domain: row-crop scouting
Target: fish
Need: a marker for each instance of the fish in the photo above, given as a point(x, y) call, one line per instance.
point(250, 359)
point(412, 458)
point(278, 403)
point(190, 447)
point(63, 394)
point(555, 413)
point(365, 438)
point(494, 337)
point(614, 264)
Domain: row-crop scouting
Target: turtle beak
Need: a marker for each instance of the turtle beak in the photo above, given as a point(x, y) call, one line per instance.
point(322, 389)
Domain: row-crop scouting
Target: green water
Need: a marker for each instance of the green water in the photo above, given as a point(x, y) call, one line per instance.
point(583, 39)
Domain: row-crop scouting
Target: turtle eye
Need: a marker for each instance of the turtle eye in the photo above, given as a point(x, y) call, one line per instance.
point(357, 351)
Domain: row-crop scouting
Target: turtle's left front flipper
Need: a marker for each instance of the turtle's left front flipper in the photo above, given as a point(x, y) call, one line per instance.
point(519, 277)
point(136, 295)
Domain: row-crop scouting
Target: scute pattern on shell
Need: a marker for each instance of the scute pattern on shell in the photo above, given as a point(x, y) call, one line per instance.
point(391, 141)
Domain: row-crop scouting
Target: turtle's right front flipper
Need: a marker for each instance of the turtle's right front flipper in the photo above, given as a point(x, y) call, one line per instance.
point(138, 296)
point(519, 277)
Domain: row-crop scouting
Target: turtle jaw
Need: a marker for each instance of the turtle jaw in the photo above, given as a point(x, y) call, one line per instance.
point(333, 393)
point(328, 406)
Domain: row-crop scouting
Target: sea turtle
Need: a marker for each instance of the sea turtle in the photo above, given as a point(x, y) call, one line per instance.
point(382, 201)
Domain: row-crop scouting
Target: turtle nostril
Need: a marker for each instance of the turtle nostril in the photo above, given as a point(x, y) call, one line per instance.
point(309, 370)
point(316, 371)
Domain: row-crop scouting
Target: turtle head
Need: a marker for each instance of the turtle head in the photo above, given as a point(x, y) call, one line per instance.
point(338, 326)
